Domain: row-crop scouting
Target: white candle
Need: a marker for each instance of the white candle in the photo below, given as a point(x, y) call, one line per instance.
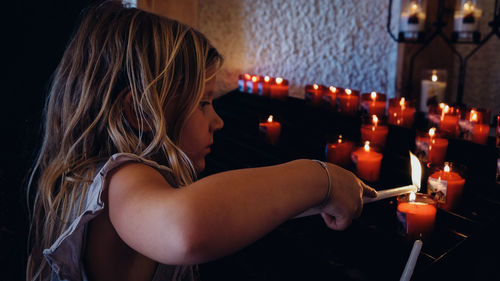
point(383, 194)
point(430, 89)
point(412, 261)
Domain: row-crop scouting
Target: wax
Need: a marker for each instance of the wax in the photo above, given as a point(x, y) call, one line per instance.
point(272, 130)
point(480, 133)
point(449, 125)
point(377, 135)
point(367, 164)
point(374, 103)
point(436, 148)
point(400, 113)
point(348, 102)
point(339, 153)
point(418, 217)
point(454, 187)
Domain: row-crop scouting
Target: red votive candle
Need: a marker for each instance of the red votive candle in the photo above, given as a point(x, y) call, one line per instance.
point(242, 82)
point(431, 148)
point(348, 101)
point(271, 129)
point(264, 86)
point(417, 214)
point(374, 103)
point(339, 152)
point(401, 113)
point(475, 125)
point(446, 185)
point(314, 93)
point(375, 133)
point(279, 88)
point(252, 84)
point(367, 163)
point(448, 124)
point(330, 96)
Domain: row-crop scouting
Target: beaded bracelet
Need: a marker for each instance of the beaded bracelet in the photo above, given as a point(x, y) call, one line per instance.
point(327, 196)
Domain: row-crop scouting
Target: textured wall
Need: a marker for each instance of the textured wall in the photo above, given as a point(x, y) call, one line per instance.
point(332, 42)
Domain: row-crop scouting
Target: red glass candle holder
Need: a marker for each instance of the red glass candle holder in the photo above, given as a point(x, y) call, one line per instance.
point(417, 215)
point(264, 86)
point(445, 118)
point(339, 151)
point(348, 101)
point(279, 88)
point(271, 129)
point(330, 96)
point(401, 112)
point(375, 131)
point(314, 93)
point(445, 184)
point(367, 163)
point(242, 82)
point(475, 125)
point(431, 147)
point(374, 103)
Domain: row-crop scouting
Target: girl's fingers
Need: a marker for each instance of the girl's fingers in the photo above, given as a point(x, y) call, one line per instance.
point(368, 191)
point(336, 223)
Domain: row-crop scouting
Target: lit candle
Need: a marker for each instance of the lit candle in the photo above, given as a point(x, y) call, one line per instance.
point(279, 88)
point(314, 93)
point(448, 124)
point(446, 187)
point(432, 88)
point(480, 131)
point(466, 19)
point(432, 148)
point(375, 133)
point(264, 86)
point(252, 84)
point(401, 113)
point(348, 101)
point(367, 163)
point(412, 20)
point(242, 82)
point(271, 129)
point(374, 103)
point(330, 96)
point(417, 213)
point(339, 152)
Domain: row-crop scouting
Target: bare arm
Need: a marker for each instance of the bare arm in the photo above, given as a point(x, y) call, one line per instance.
point(221, 213)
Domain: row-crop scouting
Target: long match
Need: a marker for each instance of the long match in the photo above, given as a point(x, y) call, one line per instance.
point(383, 194)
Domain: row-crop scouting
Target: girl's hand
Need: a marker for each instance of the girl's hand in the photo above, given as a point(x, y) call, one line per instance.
point(346, 198)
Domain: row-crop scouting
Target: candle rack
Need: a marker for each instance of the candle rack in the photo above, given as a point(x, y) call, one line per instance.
point(438, 32)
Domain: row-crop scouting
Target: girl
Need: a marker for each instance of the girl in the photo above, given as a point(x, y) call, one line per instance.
point(129, 121)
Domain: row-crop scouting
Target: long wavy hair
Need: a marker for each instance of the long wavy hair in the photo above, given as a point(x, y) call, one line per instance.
point(119, 56)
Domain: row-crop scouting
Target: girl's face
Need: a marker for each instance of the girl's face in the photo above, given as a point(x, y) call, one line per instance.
point(197, 133)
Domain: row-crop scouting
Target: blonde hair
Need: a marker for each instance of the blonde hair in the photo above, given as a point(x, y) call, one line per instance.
point(115, 51)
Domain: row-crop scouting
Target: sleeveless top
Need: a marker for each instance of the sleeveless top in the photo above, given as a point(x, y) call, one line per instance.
point(65, 255)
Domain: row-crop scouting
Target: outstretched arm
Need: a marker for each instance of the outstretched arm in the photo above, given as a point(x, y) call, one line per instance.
point(224, 212)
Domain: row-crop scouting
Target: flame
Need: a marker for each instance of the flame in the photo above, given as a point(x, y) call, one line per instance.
point(373, 95)
point(348, 91)
point(434, 77)
point(247, 76)
point(375, 120)
point(367, 146)
point(254, 78)
point(333, 89)
point(442, 105)
point(267, 78)
point(416, 170)
point(315, 86)
point(447, 168)
point(473, 115)
point(468, 7)
point(432, 132)
point(279, 80)
point(413, 7)
point(402, 102)
point(412, 196)
point(270, 119)
point(340, 139)
point(446, 109)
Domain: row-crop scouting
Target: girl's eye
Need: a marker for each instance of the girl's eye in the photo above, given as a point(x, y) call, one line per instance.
point(204, 103)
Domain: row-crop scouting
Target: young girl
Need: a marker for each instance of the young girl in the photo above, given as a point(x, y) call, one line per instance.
point(129, 121)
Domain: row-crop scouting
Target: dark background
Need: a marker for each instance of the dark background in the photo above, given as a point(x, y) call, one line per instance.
point(34, 36)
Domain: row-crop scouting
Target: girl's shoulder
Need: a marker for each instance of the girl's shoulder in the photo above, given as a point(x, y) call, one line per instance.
point(64, 254)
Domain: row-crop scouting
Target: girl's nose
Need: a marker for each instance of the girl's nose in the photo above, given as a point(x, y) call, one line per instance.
point(217, 122)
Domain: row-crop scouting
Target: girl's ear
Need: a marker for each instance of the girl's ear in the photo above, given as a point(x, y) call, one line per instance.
point(130, 114)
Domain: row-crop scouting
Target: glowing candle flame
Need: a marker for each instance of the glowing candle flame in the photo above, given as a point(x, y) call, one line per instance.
point(413, 7)
point(247, 76)
point(373, 95)
point(416, 171)
point(412, 197)
point(432, 132)
point(267, 78)
point(348, 91)
point(333, 89)
point(279, 80)
point(315, 86)
point(434, 77)
point(447, 168)
point(340, 139)
point(442, 105)
point(254, 78)
point(374, 120)
point(473, 116)
point(270, 119)
point(367, 146)
point(446, 109)
point(402, 102)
